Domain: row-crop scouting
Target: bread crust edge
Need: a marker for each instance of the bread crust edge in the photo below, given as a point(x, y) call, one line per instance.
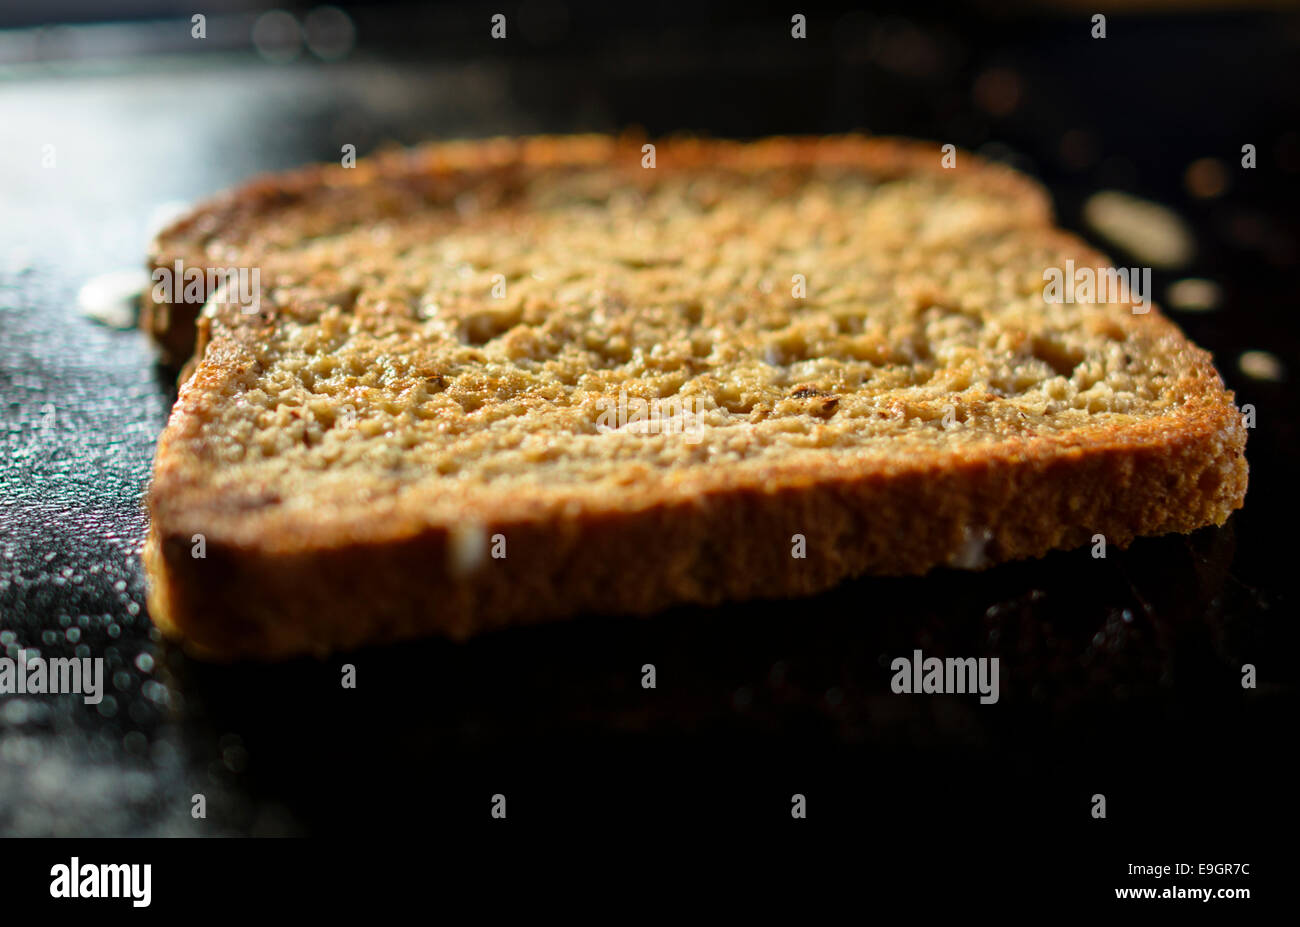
point(242, 602)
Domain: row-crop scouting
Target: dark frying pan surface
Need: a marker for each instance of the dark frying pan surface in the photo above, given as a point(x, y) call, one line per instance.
point(1119, 675)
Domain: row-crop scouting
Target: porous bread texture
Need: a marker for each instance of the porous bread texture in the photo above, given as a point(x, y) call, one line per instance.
point(859, 336)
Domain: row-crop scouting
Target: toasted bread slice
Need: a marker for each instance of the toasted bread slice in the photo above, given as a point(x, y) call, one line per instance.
point(503, 382)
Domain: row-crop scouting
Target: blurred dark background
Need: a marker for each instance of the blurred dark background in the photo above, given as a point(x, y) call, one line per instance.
point(1120, 676)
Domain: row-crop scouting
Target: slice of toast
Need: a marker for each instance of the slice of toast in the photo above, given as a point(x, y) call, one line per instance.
point(508, 381)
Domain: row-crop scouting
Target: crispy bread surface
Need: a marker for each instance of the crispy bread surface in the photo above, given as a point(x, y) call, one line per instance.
point(508, 381)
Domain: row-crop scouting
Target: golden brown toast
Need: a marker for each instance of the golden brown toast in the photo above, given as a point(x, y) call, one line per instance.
point(491, 383)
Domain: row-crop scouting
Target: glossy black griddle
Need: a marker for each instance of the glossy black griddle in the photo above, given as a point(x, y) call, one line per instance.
point(1119, 676)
